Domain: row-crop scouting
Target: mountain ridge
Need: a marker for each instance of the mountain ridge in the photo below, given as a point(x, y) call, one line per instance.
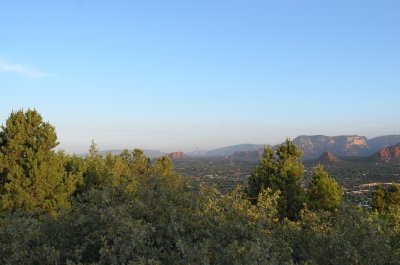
point(312, 147)
point(388, 153)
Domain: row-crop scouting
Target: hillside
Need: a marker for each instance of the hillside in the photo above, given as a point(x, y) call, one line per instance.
point(383, 141)
point(388, 153)
point(230, 150)
point(343, 146)
point(327, 157)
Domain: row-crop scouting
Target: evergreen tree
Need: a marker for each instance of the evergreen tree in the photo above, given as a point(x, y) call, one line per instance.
point(324, 193)
point(95, 169)
point(393, 195)
point(32, 175)
point(141, 163)
point(378, 199)
point(383, 200)
point(281, 171)
point(163, 166)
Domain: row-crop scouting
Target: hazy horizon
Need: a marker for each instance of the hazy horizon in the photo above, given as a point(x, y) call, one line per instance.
point(177, 76)
point(102, 147)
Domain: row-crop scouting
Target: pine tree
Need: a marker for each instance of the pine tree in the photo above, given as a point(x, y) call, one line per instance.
point(95, 174)
point(323, 193)
point(379, 199)
point(32, 174)
point(163, 166)
point(383, 200)
point(141, 163)
point(280, 170)
point(393, 195)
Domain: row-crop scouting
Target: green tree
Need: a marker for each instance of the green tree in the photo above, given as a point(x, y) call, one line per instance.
point(163, 166)
point(393, 195)
point(323, 193)
point(75, 166)
point(32, 175)
point(95, 169)
point(280, 170)
point(383, 200)
point(378, 199)
point(141, 163)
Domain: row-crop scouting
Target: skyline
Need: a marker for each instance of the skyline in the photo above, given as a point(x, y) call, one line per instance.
point(176, 76)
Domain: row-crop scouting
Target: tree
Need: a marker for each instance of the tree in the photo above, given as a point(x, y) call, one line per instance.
point(378, 199)
point(280, 170)
point(95, 169)
point(141, 163)
point(393, 195)
point(32, 174)
point(383, 200)
point(163, 166)
point(324, 193)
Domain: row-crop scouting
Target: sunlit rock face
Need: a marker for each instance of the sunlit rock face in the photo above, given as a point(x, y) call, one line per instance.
point(176, 155)
point(314, 146)
point(388, 153)
point(327, 157)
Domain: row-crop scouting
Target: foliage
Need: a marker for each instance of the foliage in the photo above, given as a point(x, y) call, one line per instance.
point(280, 170)
point(323, 193)
point(384, 200)
point(379, 199)
point(32, 175)
point(160, 222)
point(348, 236)
point(22, 240)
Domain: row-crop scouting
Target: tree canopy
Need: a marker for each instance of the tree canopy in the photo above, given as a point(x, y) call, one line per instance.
point(280, 170)
point(32, 174)
point(385, 199)
point(323, 193)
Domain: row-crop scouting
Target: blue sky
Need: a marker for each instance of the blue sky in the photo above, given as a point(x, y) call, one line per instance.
point(177, 75)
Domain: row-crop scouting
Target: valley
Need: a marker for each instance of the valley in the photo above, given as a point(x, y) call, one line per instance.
point(358, 177)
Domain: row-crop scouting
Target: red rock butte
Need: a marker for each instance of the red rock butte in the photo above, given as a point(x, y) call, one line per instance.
point(176, 155)
point(388, 153)
point(327, 157)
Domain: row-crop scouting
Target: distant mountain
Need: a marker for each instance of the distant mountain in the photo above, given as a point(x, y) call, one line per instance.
point(327, 157)
point(388, 153)
point(343, 146)
point(150, 153)
point(197, 153)
point(230, 150)
point(383, 141)
point(348, 145)
point(311, 145)
point(248, 155)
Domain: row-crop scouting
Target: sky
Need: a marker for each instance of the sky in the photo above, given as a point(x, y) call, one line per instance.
point(181, 75)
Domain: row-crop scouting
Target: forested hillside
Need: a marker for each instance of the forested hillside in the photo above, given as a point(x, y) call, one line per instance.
point(57, 208)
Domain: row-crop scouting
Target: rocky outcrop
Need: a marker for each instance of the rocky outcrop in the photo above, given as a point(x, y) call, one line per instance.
point(348, 145)
point(388, 153)
point(176, 155)
point(327, 157)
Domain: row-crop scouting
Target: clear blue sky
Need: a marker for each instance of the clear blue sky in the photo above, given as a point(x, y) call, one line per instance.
point(174, 75)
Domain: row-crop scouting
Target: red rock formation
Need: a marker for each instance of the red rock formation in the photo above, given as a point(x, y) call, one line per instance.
point(388, 153)
point(327, 157)
point(313, 146)
point(176, 155)
point(355, 141)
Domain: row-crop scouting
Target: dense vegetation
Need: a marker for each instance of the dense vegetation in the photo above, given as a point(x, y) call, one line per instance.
point(127, 209)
